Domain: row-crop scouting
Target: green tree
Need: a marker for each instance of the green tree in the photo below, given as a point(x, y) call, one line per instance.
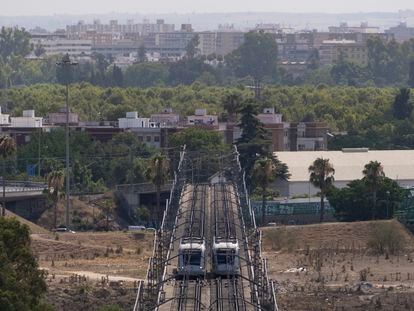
point(197, 139)
point(265, 171)
point(107, 207)
point(232, 103)
point(191, 49)
point(411, 74)
point(117, 76)
point(55, 182)
point(39, 50)
point(402, 107)
point(14, 41)
point(146, 74)
point(253, 143)
point(22, 283)
point(7, 149)
point(321, 176)
point(158, 172)
point(373, 174)
point(351, 203)
point(256, 57)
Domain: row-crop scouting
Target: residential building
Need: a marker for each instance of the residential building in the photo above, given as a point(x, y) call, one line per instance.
point(65, 46)
point(150, 136)
point(59, 118)
point(201, 118)
point(170, 44)
point(124, 47)
point(228, 41)
point(166, 118)
point(207, 44)
point(115, 28)
point(286, 136)
point(348, 165)
point(331, 50)
point(308, 136)
point(27, 120)
point(363, 28)
point(401, 32)
point(132, 120)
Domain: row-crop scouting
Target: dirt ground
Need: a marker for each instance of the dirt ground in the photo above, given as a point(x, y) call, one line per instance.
point(316, 267)
point(89, 270)
point(330, 267)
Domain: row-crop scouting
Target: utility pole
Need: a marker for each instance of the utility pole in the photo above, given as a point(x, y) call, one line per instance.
point(67, 64)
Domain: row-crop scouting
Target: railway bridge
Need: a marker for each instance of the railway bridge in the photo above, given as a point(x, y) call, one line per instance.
point(207, 252)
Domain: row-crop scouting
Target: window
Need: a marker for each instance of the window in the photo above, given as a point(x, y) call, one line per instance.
point(225, 257)
point(148, 139)
point(192, 258)
point(140, 138)
point(156, 139)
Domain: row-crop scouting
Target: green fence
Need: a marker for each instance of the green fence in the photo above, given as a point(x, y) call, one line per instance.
point(276, 208)
point(405, 213)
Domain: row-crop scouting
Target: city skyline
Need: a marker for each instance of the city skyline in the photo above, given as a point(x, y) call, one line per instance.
point(50, 7)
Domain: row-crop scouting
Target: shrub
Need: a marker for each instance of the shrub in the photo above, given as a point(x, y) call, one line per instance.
point(385, 238)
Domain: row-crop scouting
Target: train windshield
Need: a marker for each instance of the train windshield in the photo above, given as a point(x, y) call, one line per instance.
point(192, 258)
point(225, 257)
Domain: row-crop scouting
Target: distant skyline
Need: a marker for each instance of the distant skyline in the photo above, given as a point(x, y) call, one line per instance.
point(57, 7)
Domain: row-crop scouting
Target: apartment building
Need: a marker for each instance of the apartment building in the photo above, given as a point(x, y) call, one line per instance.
point(401, 32)
point(165, 118)
point(65, 46)
point(201, 118)
point(59, 118)
point(286, 136)
point(331, 50)
point(115, 28)
point(228, 41)
point(363, 28)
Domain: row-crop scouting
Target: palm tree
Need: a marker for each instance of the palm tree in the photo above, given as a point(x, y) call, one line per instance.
point(321, 176)
point(265, 171)
point(7, 149)
point(158, 172)
point(232, 103)
point(373, 175)
point(55, 182)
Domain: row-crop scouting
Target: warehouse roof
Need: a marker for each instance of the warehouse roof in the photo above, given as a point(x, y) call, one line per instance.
point(349, 163)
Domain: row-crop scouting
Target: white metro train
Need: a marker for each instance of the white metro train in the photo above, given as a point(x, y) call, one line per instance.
point(191, 258)
point(225, 256)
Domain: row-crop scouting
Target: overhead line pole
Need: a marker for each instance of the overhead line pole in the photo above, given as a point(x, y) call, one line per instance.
point(66, 63)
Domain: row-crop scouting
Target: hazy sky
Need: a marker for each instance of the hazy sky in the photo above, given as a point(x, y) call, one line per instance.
point(49, 7)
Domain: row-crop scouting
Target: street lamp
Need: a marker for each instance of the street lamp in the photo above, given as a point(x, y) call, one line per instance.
point(66, 65)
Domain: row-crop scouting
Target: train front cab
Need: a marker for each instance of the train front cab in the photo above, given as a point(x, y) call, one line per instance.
point(191, 257)
point(226, 257)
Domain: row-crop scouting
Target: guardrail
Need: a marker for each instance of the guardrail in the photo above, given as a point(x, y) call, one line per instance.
point(22, 186)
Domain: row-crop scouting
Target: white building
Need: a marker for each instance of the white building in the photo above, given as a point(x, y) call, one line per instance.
point(65, 46)
point(132, 120)
point(202, 118)
point(348, 164)
point(4, 119)
point(28, 120)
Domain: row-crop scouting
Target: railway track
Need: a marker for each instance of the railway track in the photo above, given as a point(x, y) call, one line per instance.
point(209, 262)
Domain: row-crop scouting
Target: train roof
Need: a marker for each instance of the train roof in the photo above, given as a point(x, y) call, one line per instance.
point(193, 246)
point(226, 245)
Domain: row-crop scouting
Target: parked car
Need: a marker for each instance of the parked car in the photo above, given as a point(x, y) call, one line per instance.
point(63, 229)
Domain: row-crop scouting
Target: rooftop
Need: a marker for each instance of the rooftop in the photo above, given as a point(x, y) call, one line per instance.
point(348, 164)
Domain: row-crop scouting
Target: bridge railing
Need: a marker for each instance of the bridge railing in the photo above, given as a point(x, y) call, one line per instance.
point(13, 186)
